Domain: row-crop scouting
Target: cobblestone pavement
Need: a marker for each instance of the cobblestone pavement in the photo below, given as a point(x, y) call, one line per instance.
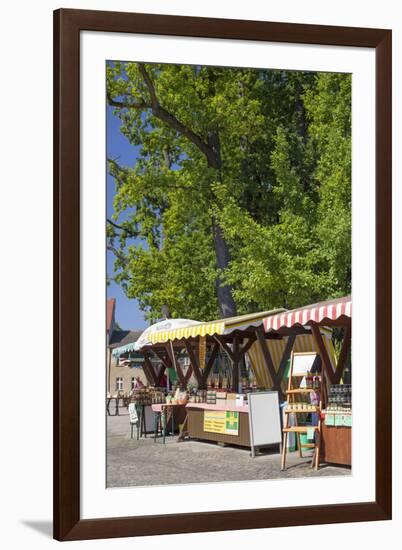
point(145, 462)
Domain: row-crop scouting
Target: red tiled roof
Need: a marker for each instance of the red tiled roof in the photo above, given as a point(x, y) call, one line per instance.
point(111, 304)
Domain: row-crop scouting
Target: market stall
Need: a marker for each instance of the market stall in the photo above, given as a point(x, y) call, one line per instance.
point(204, 344)
point(251, 420)
point(336, 413)
point(329, 314)
point(219, 364)
point(216, 389)
point(154, 374)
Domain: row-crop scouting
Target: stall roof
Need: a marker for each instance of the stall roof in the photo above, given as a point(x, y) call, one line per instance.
point(123, 341)
point(220, 326)
point(144, 338)
point(322, 312)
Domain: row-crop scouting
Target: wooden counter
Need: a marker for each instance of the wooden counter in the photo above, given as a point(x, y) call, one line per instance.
point(224, 406)
point(195, 424)
point(336, 445)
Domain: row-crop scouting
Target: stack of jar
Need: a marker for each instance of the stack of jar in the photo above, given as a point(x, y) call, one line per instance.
point(211, 397)
point(301, 406)
point(157, 397)
point(340, 398)
point(148, 396)
point(199, 396)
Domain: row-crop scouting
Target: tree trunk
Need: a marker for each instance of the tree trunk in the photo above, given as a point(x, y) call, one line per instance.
point(227, 306)
point(212, 150)
point(226, 302)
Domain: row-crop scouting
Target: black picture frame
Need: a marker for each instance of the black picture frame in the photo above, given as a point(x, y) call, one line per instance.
point(67, 27)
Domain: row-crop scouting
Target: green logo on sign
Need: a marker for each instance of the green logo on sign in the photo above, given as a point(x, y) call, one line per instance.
point(232, 421)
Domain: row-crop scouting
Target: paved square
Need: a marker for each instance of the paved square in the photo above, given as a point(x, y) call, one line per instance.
point(145, 462)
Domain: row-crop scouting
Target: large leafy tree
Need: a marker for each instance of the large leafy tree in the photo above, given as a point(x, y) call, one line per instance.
point(230, 188)
point(329, 113)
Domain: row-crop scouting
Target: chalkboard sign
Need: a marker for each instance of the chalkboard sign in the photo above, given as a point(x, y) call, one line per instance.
point(264, 420)
point(305, 362)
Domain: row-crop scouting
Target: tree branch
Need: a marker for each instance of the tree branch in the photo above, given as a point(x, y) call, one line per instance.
point(126, 172)
point(173, 122)
point(127, 104)
point(119, 255)
point(165, 116)
point(129, 233)
point(149, 84)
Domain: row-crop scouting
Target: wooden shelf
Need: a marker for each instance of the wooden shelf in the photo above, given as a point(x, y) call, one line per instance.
point(299, 429)
point(296, 411)
point(303, 390)
point(305, 406)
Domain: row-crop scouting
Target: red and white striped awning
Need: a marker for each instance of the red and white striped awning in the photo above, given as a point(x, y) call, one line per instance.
point(318, 313)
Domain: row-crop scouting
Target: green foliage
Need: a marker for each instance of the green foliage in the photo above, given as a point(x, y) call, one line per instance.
point(265, 154)
point(330, 113)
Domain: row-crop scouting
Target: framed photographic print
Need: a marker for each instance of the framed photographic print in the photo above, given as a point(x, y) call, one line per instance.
point(222, 233)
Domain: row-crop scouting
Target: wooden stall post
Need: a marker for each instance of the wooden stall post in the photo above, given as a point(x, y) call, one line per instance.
point(149, 370)
point(229, 352)
point(236, 362)
point(315, 329)
point(285, 358)
point(170, 351)
point(346, 344)
point(194, 363)
point(266, 354)
point(210, 364)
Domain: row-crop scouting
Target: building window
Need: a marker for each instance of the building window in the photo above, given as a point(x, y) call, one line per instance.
point(119, 383)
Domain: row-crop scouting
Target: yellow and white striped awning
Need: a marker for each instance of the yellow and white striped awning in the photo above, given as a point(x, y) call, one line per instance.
point(201, 329)
point(221, 326)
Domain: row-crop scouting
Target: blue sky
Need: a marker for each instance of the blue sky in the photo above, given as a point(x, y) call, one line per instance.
point(128, 314)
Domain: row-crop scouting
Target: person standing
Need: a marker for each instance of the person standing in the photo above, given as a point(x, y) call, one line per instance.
point(138, 384)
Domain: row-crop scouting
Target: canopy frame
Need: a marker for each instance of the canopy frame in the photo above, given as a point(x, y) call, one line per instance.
point(331, 313)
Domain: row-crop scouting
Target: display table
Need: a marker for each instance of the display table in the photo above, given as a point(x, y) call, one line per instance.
point(159, 407)
point(336, 445)
point(228, 406)
point(223, 423)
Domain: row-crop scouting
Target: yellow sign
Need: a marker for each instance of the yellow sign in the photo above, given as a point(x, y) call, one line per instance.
point(221, 422)
point(202, 351)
